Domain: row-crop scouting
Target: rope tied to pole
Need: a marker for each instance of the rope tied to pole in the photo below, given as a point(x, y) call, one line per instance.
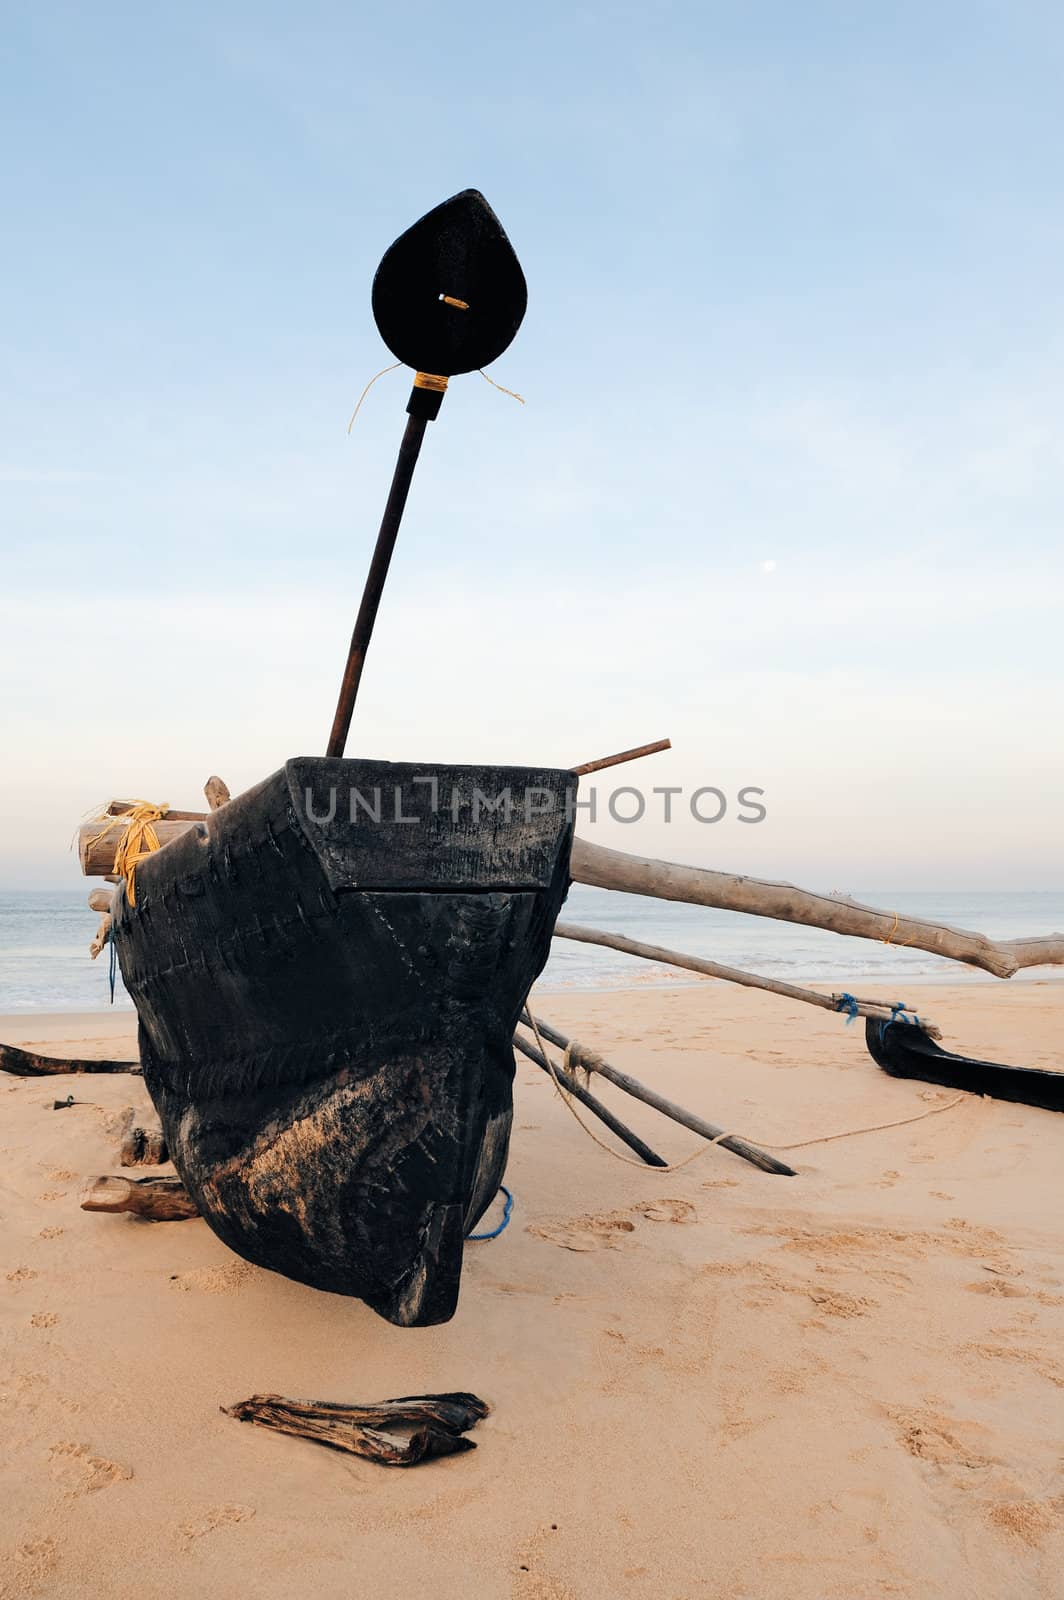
point(847, 1003)
point(137, 839)
point(797, 1144)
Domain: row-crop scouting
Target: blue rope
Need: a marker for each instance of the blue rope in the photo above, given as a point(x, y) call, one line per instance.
point(900, 1013)
point(847, 1003)
point(505, 1223)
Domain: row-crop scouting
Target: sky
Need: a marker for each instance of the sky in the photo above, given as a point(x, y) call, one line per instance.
point(787, 487)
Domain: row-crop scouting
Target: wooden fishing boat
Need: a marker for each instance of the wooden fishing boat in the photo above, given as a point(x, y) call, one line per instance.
point(327, 1006)
point(329, 969)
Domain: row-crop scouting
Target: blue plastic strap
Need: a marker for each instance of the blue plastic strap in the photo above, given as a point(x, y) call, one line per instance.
point(847, 1003)
point(495, 1232)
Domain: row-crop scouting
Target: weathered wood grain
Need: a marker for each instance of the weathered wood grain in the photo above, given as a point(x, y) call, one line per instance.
point(439, 1422)
point(143, 1141)
point(26, 1064)
point(663, 880)
point(157, 1199)
point(714, 969)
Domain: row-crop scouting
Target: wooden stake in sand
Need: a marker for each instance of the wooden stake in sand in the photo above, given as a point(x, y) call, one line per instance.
point(581, 1056)
point(143, 1142)
point(574, 1087)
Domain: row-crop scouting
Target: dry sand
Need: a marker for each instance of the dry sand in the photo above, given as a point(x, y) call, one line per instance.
point(707, 1383)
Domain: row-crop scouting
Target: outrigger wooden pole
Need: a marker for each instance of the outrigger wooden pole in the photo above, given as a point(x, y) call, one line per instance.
point(591, 1061)
point(592, 1102)
point(879, 1010)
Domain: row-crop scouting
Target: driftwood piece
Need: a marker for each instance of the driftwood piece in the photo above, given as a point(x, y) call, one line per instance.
point(713, 969)
point(157, 1199)
point(143, 1142)
point(24, 1064)
point(574, 1087)
point(439, 1422)
point(581, 1056)
point(614, 869)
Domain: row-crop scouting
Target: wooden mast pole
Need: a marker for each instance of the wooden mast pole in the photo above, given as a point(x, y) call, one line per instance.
point(409, 451)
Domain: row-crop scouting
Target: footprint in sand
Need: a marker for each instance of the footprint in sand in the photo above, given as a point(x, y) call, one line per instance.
point(662, 1210)
point(213, 1280)
point(838, 1303)
point(28, 1565)
point(78, 1471)
point(585, 1233)
point(1028, 1520)
point(214, 1517)
point(43, 1319)
point(20, 1274)
point(945, 1441)
point(50, 1233)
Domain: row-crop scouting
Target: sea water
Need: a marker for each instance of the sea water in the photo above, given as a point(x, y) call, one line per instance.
point(45, 937)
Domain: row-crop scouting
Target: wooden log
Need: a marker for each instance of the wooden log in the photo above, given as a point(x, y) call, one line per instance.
point(217, 792)
point(143, 1141)
point(623, 756)
point(592, 1103)
point(439, 1420)
point(713, 969)
point(100, 899)
point(25, 1064)
point(157, 1199)
point(96, 849)
point(613, 869)
point(118, 808)
point(582, 1056)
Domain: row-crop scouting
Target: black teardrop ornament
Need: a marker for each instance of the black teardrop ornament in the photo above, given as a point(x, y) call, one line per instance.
point(449, 294)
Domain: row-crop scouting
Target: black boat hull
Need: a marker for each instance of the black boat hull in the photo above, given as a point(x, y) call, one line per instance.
point(905, 1051)
point(326, 1012)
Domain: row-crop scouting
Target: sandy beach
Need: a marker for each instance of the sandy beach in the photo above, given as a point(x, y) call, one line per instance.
point(706, 1383)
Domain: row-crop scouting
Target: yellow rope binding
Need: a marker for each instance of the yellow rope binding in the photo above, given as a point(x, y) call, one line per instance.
point(138, 839)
